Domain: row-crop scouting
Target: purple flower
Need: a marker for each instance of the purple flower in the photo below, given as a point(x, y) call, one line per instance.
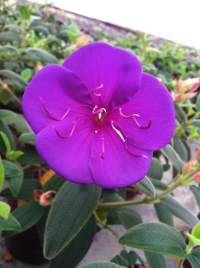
point(97, 117)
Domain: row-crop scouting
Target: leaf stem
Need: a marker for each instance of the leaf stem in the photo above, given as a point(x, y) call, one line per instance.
point(106, 227)
point(5, 87)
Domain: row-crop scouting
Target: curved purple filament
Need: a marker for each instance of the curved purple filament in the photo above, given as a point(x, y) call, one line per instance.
point(68, 136)
point(53, 117)
point(141, 126)
point(126, 138)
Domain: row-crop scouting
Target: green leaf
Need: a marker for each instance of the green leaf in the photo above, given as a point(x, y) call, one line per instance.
point(6, 142)
point(196, 122)
point(196, 193)
point(15, 154)
point(180, 113)
point(196, 231)
point(171, 154)
point(28, 138)
point(6, 113)
point(4, 210)
point(26, 74)
point(1, 174)
point(102, 265)
point(155, 260)
point(4, 128)
point(155, 237)
point(39, 29)
point(166, 167)
point(73, 31)
point(77, 248)
point(27, 215)
point(15, 77)
point(131, 256)
point(12, 26)
point(194, 257)
point(179, 211)
point(196, 241)
point(113, 197)
point(163, 214)
point(11, 169)
point(53, 184)
point(122, 192)
point(198, 104)
point(64, 222)
point(159, 185)
point(128, 219)
point(9, 37)
point(8, 48)
point(30, 156)
point(15, 182)
point(19, 123)
point(24, 12)
point(26, 190)
point(112, 215)
point(155, 170)
point(119, 260)
point(180, 148)
point(10, 224)
point(42, 55)
point(146, 186)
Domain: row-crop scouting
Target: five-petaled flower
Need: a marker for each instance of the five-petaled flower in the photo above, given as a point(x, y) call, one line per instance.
point(97, 117)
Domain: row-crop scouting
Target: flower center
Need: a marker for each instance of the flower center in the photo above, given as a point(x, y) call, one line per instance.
point(100, 120)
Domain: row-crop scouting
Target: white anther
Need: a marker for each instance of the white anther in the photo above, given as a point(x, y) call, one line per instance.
point(117, 131)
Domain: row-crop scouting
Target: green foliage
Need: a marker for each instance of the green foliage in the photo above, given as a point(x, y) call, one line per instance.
point(74, 252)
point(155, 237)
point(64, 222)
point(27, 215)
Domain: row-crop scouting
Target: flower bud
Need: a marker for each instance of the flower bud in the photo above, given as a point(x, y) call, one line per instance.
point(83, 40)
point(189, 95)
point(187, 167)
point(179, 85)
point(37, 194)
point(179, 97)
point(198, 156)
point(38, 67)
point(47, 198)
point(197, 177)
point(172, 94)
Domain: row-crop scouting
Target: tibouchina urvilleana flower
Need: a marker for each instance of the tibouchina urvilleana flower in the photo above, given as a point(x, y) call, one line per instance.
point(97, 117)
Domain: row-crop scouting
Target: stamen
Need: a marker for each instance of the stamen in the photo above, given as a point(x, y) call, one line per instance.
point(118, 132)
point(141, 126)
point(68, 136)
point(103, 145)
point(126, 138)
point(133, 115)
point(126, 116)
point(101, 110)
point(93, 91)
point(54, 117)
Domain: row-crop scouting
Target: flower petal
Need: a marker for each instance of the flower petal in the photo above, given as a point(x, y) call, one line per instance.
point(153, 100)
point(68, 157)
point(116, 69)
point(59, 89)
point(119, 168)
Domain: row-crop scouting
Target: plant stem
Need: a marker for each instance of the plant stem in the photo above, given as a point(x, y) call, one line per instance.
point(180, 263)
point(170, 259)
point(106, 227)
point(5, 87)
